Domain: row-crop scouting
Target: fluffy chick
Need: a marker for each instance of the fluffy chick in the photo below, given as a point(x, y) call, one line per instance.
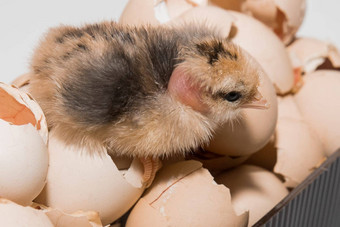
point(141, 91)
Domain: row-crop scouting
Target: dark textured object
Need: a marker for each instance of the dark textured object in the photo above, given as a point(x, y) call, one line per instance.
point(313, 203)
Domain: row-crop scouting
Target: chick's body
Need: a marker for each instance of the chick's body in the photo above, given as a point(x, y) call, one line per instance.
point(146, 91)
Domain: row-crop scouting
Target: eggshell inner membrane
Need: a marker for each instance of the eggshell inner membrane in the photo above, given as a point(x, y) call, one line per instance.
point(14, 112)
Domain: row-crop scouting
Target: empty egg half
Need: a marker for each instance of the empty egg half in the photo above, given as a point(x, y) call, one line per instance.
point(185, 194)
point(23, 150)
point(252, 189)
point(80, 179)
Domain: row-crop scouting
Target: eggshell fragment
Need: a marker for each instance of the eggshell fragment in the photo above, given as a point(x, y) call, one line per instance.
point(252, 189)
point(185, 194)
point(299, 151)
point(318, 102)
point(250, 133)
point(76, 219)
point(284, 17)
point(81, 179)
point(307, 54)
point(156, 12)
point(19, 108)
point(287, 108)
point(23, 152)
point(12, 214)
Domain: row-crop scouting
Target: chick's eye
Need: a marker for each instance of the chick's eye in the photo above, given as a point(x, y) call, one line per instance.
point(232, 96)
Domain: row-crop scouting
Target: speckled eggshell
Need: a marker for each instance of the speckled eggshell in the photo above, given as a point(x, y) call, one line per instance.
point(252, 189)
point(318, 102)
point(23, 150)
point(80, 179)
point(185, 194)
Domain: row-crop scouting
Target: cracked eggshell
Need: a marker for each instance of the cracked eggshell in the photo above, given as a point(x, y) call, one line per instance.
point(299, 151)
point(156, 12)
point(250, 133)
point(284, 17)
point(76, 219)
point(12, 214)
point(307, 54)
point(318, 102)
point(252, 189)
point(185, 194)
point(80, 179)
point(23, 151)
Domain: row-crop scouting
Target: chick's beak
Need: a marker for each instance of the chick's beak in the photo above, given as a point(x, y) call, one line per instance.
point(258, 102)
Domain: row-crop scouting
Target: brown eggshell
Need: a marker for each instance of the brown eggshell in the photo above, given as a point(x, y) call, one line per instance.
point(185, 194)
point(287, 108)
point(299, 150)
point(318, 102)
point(81, 179)
point(252, 131)
point(284, 17)
point(156, 12)
point(12, 214)
point(252, 189)
point(307, 54)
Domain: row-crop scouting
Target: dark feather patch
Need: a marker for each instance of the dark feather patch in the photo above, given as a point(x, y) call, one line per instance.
point(213, 50)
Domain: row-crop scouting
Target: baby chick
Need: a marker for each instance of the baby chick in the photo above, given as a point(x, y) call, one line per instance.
point(141, 91)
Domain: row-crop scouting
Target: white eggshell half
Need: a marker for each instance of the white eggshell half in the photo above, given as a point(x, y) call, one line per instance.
point(299, 151)
point(250, 133)
point(184, 194)
point(80, 179)
point(318, 102)
point(307, 54)
point(252, 189)
point(23, 162)
point(12, 214)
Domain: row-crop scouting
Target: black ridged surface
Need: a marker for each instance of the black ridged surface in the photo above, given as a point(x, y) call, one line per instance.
point(314, 203)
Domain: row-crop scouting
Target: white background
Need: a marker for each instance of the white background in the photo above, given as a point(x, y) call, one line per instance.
point(22, 23)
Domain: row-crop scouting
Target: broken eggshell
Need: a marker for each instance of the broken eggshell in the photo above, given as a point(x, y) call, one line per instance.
point(252, 189)
point(156, 12)
point(307, 54)
point(81, 179)
point(189, 186)
point(299, 151)
point(23, 151)
point(12, 214)
point(284, 17)
point(76, 219)
point(318, 102)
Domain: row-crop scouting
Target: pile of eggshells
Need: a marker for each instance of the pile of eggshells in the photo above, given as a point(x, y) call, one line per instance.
point(234, 181)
